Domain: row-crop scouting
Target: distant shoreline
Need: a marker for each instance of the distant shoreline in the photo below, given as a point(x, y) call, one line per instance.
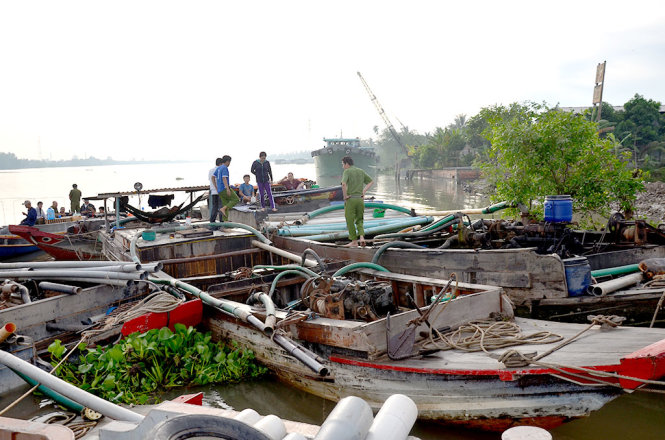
point(31, 164)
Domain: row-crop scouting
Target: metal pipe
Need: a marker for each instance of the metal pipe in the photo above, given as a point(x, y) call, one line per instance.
point(10, 286)
point(57, 287)
point(283, 253)
point(73, 273)
point(602, 289)
point(92, 280)
point(236, 309)
point(58, 264)
point(127, 268)
point(270, 310)
point(70, 391)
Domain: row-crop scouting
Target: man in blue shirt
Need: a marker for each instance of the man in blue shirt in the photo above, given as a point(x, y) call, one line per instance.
point(227, 196)
point(246, 191)
point(31, 217)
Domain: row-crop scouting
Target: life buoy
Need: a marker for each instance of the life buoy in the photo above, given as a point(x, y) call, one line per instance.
point(330, 151)
point(200, 425)
point(347, 151)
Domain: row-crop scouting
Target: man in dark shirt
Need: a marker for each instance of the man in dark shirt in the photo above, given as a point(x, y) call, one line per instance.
point(31, 216)
point(261, 169)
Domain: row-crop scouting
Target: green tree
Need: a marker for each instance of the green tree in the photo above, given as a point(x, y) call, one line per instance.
point(644, 124)
point(538, 151)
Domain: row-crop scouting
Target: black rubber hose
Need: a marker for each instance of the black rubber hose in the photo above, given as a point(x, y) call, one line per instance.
point(318, 259)
point(397, 244)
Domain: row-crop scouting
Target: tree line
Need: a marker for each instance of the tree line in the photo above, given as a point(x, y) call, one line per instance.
point(639, 129)
point(530, 150)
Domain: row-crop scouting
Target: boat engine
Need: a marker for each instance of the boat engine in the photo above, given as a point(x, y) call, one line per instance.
point(348, 299)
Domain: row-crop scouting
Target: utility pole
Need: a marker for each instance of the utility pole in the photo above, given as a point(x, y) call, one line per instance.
point(598, 88)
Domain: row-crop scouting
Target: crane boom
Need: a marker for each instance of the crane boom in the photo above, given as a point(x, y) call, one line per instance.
point(392, 130)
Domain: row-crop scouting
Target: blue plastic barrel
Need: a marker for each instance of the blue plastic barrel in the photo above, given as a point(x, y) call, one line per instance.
point(558, 209)
point(578, 275)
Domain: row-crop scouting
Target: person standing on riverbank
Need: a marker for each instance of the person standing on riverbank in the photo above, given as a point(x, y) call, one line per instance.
point(75, 199)
point(355, 183)
point(213, 206)
point(227, 196)
point(261, 169)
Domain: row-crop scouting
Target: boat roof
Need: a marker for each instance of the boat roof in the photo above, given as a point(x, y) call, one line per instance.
point(189, 189)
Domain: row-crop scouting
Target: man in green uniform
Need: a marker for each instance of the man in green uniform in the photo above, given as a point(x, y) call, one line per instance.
point(355, 183)
point(75, 199)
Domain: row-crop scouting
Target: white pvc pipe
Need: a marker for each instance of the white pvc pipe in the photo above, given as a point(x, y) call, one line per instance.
point(248, 416)
point(602, 289)
point(283, 253)
point(70, 391)
point(295, 436)
point(272, 426)
point(526, 433)
point(350, 419)
point(394, 420)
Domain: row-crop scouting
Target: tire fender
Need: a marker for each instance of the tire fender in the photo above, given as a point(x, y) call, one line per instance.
point(198, 425)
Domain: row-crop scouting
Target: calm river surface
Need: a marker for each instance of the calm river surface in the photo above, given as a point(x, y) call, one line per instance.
point(636, 416)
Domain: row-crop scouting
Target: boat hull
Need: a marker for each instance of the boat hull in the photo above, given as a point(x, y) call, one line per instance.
point(62, 247)
point(475, 400)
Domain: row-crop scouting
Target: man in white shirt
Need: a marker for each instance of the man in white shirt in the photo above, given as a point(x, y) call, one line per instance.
point(213, 200)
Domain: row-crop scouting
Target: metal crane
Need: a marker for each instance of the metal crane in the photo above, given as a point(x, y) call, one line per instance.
point(392, 130)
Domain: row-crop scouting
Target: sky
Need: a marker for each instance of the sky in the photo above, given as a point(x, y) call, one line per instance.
point(191, 80)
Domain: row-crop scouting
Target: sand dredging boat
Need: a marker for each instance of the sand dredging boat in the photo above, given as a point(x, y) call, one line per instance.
point(545, 267)
point(336, 329)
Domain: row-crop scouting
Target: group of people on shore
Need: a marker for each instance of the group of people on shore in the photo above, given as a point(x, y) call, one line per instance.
point(37, 215)
point(223, 197)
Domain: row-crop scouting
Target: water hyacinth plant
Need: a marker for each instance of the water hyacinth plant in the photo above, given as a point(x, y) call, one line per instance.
point(134, 370)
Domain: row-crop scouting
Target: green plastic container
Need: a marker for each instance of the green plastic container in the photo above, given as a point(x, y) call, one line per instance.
point(378, 213)
point(149, 235)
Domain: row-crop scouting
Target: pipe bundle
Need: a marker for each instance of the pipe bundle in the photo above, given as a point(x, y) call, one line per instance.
point(112, 273)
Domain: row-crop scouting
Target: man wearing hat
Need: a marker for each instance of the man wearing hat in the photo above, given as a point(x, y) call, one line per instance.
point(31, 217)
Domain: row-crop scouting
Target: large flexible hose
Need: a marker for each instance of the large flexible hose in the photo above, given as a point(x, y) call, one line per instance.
point(396, 244)
point(356, 266)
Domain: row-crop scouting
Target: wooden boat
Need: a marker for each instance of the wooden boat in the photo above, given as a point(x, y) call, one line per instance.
point(473, 389)
point(63, 247)
point(534, 278)
point(12, 245)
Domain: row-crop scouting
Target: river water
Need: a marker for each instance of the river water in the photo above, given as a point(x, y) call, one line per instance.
point(639, 415)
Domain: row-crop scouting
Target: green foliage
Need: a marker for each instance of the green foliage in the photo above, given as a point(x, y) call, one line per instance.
point(537, 151)
point(133, 370)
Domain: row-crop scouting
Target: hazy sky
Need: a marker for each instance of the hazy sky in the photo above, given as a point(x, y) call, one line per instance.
point(194, 79)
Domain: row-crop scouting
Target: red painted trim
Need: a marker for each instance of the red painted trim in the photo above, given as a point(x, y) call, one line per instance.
point(188, 314)
point(505, 375)
point(646, 363)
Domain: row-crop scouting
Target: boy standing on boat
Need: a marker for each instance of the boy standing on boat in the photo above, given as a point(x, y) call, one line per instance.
point(214, 194)
point(355, 183)
point(227, 196)
point(261, 169)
